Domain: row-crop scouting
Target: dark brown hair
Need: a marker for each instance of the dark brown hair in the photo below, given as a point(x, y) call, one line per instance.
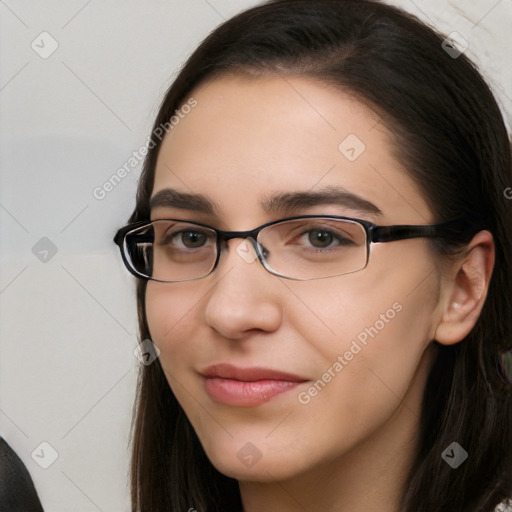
point(449, 133)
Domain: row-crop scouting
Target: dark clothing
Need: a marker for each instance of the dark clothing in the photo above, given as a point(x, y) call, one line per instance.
point(17, 491)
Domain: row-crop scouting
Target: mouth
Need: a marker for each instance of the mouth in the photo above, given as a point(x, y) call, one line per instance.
point(247, 387)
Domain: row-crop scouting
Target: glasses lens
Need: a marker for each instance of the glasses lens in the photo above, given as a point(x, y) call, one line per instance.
point(169, 250)
point(314, 248)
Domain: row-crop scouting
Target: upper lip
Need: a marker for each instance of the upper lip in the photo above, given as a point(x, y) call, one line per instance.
point(254, 373)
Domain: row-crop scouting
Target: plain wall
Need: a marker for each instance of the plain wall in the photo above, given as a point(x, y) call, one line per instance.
point(68, 122)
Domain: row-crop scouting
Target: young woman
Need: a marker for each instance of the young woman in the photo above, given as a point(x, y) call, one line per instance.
point(322, 241)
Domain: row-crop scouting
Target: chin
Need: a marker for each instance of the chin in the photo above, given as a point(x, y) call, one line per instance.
point(262, 471)
point(245, 461)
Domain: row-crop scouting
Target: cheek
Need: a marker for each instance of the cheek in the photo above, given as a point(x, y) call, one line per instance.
point(380, 314)
point(168, 309)
point(370, 330)
point(372, 362)
point(172, 317)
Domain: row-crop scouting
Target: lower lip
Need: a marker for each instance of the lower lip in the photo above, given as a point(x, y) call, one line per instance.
point(246, 394)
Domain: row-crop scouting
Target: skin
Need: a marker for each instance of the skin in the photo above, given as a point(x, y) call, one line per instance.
point(350, 447)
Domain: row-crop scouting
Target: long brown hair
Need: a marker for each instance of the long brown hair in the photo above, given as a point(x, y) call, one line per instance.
point(449, 133)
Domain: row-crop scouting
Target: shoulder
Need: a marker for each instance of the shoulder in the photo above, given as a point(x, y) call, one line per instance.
point(17, 491)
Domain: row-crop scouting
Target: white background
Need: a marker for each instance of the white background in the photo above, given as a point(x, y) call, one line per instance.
point(68, 122)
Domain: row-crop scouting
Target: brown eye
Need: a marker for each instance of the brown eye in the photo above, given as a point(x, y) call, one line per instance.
point(191, 239)
point(188, 239)
point(323, 238)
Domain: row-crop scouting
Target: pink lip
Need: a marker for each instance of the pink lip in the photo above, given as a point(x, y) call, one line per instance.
point(247, 387)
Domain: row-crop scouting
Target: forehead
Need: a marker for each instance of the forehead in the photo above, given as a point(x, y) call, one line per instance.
point(248, 137)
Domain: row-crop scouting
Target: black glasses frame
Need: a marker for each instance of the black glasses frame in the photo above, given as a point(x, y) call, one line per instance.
point(458, 229)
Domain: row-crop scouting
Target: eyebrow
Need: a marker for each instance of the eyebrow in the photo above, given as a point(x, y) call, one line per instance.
point(277, 204)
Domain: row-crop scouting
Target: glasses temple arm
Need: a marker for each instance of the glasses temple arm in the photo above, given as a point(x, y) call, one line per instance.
point(459, 230)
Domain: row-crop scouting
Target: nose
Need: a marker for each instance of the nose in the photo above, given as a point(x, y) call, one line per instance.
point(245, 296)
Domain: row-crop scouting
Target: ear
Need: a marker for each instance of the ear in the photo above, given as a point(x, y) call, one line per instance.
point(464, 290)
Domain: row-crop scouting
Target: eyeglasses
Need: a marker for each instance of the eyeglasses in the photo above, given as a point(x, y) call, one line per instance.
point(301, 248)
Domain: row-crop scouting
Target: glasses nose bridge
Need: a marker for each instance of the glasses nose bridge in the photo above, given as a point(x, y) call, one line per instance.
point(225, 236)
point(251, 235)
point(229, 235)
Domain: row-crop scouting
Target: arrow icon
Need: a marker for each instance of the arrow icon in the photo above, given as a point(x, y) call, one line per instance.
point(44, 250)
point(44, 45)
point(351, 147)
point(146, 352)
point(249, 455)
point(244, 252)
point(44, 455)
point(454, 455)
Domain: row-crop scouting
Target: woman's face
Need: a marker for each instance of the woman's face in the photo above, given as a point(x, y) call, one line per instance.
point(358, 341)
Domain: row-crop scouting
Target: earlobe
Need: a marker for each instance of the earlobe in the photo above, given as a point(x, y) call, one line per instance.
point(465, 290)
